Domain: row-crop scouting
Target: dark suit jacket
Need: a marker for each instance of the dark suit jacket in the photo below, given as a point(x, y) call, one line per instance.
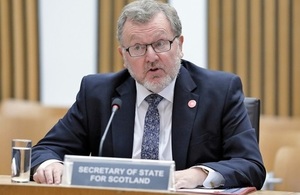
point(216, 133)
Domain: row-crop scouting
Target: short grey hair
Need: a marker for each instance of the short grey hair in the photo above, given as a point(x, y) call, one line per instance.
point(142, 11)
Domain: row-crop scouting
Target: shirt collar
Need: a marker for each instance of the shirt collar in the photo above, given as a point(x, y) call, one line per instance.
point(167, 93)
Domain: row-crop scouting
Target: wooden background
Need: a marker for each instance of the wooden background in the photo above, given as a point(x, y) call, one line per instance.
point(19, 65)
point(257, 39)
point(260, 41)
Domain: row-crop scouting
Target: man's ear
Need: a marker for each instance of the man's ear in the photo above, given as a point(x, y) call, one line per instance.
point(120, 50)
point(181, 39)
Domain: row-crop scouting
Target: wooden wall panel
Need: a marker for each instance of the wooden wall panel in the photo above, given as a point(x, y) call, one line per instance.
point(214, 29)
point(259, 41)
point(295, 57)
point(18, 44)
point(284, 51)
point(255, 38)
point(241, 48)
point(105, 31)
point(269, 85)
point(19, 50)
point(32, 51)
point(227, 35)
point(5, 50)
point(118, 59)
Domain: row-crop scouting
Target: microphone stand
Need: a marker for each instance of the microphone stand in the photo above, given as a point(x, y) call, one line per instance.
point(116, 104)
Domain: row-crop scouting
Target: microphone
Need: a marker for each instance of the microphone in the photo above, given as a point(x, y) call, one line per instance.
point(116, 105)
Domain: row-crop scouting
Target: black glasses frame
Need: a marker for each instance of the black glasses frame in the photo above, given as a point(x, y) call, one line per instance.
point(151, 44)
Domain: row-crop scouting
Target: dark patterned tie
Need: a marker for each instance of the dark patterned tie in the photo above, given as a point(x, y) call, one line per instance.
point(150, 142)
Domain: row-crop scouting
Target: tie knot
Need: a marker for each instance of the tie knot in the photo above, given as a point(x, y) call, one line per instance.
point(153, 99)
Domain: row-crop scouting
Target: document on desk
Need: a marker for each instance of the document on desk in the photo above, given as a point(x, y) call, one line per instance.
point(238, 191)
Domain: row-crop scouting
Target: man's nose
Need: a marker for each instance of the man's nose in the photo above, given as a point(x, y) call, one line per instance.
point(150, 53)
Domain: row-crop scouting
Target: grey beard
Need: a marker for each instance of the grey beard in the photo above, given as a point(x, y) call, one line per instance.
point(158, 87)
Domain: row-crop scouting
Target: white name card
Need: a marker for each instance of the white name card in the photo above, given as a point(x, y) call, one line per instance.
point(118, 172)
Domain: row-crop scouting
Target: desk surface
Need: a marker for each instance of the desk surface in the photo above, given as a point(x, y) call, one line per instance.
point(8, 188)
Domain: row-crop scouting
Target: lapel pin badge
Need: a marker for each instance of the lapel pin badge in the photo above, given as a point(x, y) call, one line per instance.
point(192, 103)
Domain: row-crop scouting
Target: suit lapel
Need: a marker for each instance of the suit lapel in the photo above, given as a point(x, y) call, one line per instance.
point(183, 117)
point(123, 124)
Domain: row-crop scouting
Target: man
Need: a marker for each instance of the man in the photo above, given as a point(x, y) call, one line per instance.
point(204, 126)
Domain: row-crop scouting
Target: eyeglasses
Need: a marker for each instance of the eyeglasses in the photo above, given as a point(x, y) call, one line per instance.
point(159, 46)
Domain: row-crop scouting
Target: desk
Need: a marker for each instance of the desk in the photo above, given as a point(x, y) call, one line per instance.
point(8, 188)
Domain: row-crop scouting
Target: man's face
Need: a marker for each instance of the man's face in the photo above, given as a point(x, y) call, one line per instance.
point(153, 70)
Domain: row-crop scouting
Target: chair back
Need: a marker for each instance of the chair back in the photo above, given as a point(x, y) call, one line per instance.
point(286, 167)
point(253, 108)
point(24, 119)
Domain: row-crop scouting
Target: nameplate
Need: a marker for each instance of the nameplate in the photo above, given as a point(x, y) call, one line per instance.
point(118, 172)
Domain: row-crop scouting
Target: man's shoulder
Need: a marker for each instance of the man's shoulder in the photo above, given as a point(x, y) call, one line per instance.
point(123, 74)
point(107, 78)
point(200, 73)
point(191, 67)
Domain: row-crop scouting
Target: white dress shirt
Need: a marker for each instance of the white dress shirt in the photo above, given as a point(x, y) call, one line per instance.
point(165, 108)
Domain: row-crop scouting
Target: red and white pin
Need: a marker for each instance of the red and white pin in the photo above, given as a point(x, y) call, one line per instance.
point(192, 103)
